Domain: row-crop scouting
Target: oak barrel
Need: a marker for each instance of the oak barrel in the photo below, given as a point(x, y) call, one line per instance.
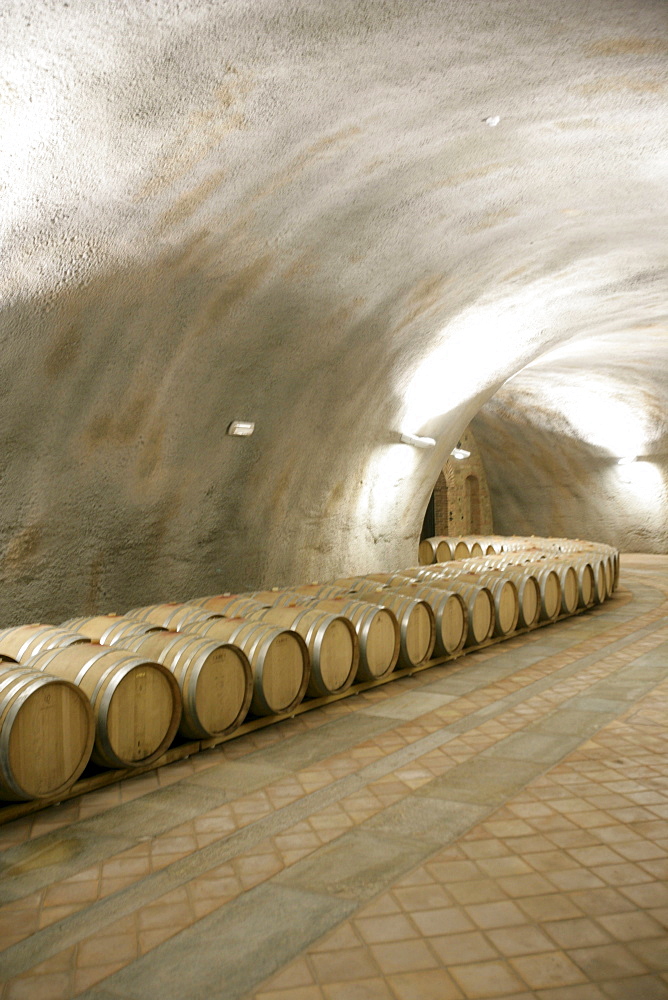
point(479, 603)
point(278, 657)
point(377, 633)
point(23, 641)
point(417, 625)
point(173, 616)
point(137, 704)
point(46, 733)
point(450, 614)
point(331, 641)
point(214, 677)
point(109, 630)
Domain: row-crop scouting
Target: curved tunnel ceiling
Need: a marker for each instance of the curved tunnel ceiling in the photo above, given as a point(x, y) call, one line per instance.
point(302, 214)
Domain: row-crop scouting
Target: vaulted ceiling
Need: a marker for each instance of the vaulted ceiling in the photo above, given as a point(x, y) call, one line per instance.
point(304, 213)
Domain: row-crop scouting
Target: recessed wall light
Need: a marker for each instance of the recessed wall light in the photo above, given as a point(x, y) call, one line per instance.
point(241, 428)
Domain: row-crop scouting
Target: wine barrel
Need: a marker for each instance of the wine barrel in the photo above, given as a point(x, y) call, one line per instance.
point(278, 657)
point(377, 633)
point(600, 580)
point(172, 616)
point(427, 551)
point(436, 550)
point(450, 614)
point(46, 733)
point(417, 625)
point(137, 704)
point(214, 677)
point(23, 641)
point(585, 580)
point(479, 604)
point(528, 594)
point(284, 599)
point(550, 590)
point(331, 641)
point(506, 601)
point(110, 629)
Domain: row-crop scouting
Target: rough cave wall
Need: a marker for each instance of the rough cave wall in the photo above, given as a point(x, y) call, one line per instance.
point(296, 213)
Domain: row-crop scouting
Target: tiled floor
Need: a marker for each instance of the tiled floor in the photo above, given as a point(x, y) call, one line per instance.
point(495, 827)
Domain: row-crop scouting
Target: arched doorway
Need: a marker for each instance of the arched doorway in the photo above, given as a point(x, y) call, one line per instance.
point(473, 504)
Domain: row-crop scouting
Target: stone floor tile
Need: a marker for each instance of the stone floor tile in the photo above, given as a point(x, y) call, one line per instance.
point(403, 956)
point(576, 933)
point(607, 961)
point(631, 926)
point(426, 984)
point(364, 989)
point(547, 970)
point(524, 939)
point(293, 993)
point(497, 914)
point(428, 897)
point(636, 988)
point(382, 929)
point(479, 891)
point(346, 964)
point(456, 949)
point(486, 980)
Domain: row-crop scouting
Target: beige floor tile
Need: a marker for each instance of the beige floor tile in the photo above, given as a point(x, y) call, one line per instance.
point(365, 989)
point(525, 939)
point(428, 897)
point(379, 930)
point(344, 965)
point(607, 961)
point(458, 949)
point(501, 914)
point(427, 984)
point(547, 970)
point(403, 956)
point(631, 926)
point(576, 933)
point(450, 920)
point(486, 980)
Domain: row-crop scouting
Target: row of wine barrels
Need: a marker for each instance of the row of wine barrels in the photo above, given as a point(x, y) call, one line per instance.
point(417, 623)
point(214, 678)
point(110, 630)
point(136, 702)
point(377, 629)
point(478, 599)
point(331, 641)
point(450, 614)
point(23, 641)
point(46, 733)
point(279, 660)
point(172, 616)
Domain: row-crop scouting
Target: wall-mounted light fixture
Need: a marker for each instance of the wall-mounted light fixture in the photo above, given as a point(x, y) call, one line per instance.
point(417, 442)
point(241, 428)
point(460, 452)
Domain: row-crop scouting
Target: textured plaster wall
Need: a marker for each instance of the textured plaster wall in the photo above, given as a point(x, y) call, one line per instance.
point(294, 213)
